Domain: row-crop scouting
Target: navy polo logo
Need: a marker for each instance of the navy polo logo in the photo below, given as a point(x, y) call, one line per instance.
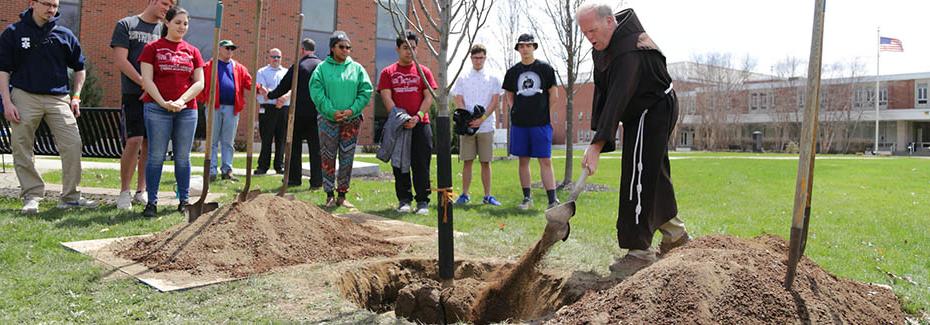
point(25, 42)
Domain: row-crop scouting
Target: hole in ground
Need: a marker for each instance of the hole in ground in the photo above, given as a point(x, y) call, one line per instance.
point(412, 289)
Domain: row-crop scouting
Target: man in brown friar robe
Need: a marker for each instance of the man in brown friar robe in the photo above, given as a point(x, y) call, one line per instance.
point(632, 86)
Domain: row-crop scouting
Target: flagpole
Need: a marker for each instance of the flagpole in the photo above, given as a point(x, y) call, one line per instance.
point(878, 53)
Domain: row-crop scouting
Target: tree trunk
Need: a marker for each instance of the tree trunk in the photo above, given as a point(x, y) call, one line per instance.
point(442, 141)
point(569, 133)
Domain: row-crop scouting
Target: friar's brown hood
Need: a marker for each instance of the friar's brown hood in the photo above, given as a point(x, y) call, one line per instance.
point(629, 36)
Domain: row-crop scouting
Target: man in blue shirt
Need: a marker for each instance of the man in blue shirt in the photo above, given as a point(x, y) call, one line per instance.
point(35, 55)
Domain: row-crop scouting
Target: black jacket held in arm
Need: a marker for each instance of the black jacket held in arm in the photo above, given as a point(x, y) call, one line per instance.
point(629, 76)
point(305, 106)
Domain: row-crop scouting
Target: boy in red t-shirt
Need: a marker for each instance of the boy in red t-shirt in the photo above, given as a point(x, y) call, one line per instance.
point(401, 86)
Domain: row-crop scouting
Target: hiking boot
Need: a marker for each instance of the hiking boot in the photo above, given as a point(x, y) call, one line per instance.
point(140, 198)
point(80, 203)
point(630, 264)
point(342, 202)
point(150, 211)
point(526, 204)
point(183, 205)
point(463, 199)
point(124, 201)
point(30, 206)
point(554, 204)
point(490, 199)
point(422, 208)
point(330, 202)
point(404, 207)
point(666, 247)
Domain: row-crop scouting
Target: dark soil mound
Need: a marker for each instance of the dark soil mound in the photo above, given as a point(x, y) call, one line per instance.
point(725, 280)
point(247, 238)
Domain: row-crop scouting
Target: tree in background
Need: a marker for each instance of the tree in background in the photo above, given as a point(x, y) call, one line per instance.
point(446, 28)
point(566, 49)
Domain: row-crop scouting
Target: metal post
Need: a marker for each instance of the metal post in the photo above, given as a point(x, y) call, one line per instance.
point(878, 60)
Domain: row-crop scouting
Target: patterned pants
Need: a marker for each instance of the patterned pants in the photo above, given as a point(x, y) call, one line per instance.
point(337, 138)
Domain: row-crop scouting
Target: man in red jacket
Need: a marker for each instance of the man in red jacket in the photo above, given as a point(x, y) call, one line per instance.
point(234, 81)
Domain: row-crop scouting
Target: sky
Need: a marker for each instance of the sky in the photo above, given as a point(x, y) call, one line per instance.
point(770, 31)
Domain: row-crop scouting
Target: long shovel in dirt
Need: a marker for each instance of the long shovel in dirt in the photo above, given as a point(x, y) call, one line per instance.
point(290, 114)
point(800, 221)
point(200, 207)
point(557, 226)
point(250, 119)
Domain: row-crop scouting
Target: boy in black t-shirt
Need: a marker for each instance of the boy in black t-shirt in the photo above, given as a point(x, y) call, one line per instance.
point(530, 86)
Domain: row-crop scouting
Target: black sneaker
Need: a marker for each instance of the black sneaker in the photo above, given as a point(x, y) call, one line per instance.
point(260, 172)
point(183, 205)
point(150, 211)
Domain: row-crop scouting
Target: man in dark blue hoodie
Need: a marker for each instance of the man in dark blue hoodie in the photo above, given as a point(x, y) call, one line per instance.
point(35, 54)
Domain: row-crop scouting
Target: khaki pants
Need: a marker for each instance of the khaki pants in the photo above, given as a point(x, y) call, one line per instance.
point(56, 112)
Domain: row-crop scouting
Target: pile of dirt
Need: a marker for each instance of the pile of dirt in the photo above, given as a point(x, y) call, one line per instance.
point(248, 238)
point(721, 279)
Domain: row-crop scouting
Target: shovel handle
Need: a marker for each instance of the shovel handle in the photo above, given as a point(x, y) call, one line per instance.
point(579, 185)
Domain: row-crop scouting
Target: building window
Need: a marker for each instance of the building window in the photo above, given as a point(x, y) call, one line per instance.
point(580, 116)
point(761, 100)
point(802, 97)
point(202, 17)
point(319, 23)
point(865, 97)
point(70, 17)
point(922, 93)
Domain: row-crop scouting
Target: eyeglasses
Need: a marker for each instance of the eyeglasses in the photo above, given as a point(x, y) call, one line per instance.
point(48, 4)
point(344, 47)
point(275, 57)
point(477, 58)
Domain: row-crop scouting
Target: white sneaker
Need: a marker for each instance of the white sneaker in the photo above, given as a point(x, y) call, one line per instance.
point(140, 198)
point(124, 201)
point(30, 206)
point(404, 207)
point(526, 204)
point(422, 208)
point(80, 203)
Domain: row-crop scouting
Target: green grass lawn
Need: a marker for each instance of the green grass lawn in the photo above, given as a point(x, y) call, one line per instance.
point(869, 223)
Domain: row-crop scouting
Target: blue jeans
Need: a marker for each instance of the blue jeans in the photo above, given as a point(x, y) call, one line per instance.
point(224, 133)
point(162, 126)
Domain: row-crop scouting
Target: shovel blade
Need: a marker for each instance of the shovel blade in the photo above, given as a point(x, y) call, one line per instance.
point(197, 209)
point(248, 196)
point(561, 213)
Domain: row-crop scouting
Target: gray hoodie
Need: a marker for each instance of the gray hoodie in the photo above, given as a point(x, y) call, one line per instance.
point(395, 140)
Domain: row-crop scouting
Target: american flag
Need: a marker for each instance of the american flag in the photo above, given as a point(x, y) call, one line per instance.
point(889, 44)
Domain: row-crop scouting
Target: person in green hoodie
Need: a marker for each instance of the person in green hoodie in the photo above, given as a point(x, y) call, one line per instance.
point(341, 89)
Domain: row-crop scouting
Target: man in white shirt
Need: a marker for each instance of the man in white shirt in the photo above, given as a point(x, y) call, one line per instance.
point(477, 88)
point(272, 118)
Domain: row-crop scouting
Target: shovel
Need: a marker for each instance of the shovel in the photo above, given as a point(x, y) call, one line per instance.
point(558, 216)
point(200, 207)
point(250, 119)
point(282, 192)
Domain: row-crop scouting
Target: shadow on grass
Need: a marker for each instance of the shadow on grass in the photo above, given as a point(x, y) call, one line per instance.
point(104, 216)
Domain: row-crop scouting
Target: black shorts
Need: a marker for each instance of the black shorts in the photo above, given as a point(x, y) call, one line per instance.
point(132, 118)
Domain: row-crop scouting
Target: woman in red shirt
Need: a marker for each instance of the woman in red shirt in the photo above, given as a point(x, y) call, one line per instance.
point(172, 76)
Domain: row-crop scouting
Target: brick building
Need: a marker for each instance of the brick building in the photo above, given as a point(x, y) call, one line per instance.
point(368, 25)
